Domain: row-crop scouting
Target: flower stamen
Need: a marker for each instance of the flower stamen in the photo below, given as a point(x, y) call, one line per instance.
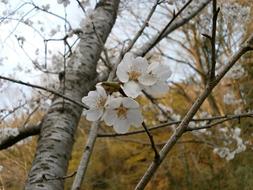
point(101, 102)
point(134, 75)
point(121, 112)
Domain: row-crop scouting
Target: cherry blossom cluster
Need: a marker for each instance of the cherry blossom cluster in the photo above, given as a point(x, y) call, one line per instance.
point(67, 2)
point(230, 99)
point(64, 2)
point(227, 151)
point(5, 1)
point(120, 110)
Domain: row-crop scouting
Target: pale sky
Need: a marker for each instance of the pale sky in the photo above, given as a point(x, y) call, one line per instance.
point(13, 57)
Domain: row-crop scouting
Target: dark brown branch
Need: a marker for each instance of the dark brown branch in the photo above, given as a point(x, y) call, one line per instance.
point(154, 101)
point(45, 89)
point(23, 133)
point(181, 129)
point(144, 25)
point(81, 6)
point(137, 141)
point(213, 40)
point(228, 118)
point(160, 36)
point(152, 142)
point(160, 126)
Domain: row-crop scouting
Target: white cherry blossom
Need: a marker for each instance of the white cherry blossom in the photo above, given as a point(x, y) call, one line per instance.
point(96, 101)
point(155, 80)
point(64, 2)
point(130, 71)
point(121, 113)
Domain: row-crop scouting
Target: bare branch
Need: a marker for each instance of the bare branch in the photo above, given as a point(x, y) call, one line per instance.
point(184, 124)
point(213, 41)
point(180, 22)
point(51, 13)
point(145, 24)
point(161, 34)
point(152, 142)
point(45, 89)
point(86, 157)
point(220, 119)
point(23, 133)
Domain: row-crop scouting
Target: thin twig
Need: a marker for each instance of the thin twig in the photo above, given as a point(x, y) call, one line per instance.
point(154, 101)
point(192, 111)
point(45, 89)
point(85, 157)
point(130, 140)
point(157, 157)
point(161, 34)
point(213, 41)
point(144, 25)
point(35, 130)
point(9, 112)
point(51, 13)
point(23, 133)
point(13, 12)
point(81, 6)
point(160, 126)
point(30, 115)
point(16, 26)
point(133, 41)
point(175, 25)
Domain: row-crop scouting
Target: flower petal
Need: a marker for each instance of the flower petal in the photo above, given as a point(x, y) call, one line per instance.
point(122, 72)
point(113, 103)
point(109, 116)
point(135, 117)
point(121, 126)
point(132, 89)
point(90, 101)
point(158, 89)
point(140, 65)
point(147, 79)
point(124, 67)
point(94, 115)
point(128, 58)
point(101, 91)
point(130, 103)
point(161, 70)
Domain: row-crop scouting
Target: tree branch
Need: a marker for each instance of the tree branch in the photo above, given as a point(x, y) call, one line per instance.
point(160, 126)
point(85, 157)
point(152, 142)
point(184, 124)
point(162, 33)
point(23, 133)
point(213, 41)
point(45, 89)
point(175, 25)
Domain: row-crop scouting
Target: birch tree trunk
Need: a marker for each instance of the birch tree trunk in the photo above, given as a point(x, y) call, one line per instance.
point(59, 125)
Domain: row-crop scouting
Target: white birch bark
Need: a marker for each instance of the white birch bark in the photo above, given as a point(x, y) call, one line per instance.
point(59, 125)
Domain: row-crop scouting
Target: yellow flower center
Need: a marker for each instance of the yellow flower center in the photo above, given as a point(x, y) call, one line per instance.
point(134, 75)
point(121, 111)
point(101, 102)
